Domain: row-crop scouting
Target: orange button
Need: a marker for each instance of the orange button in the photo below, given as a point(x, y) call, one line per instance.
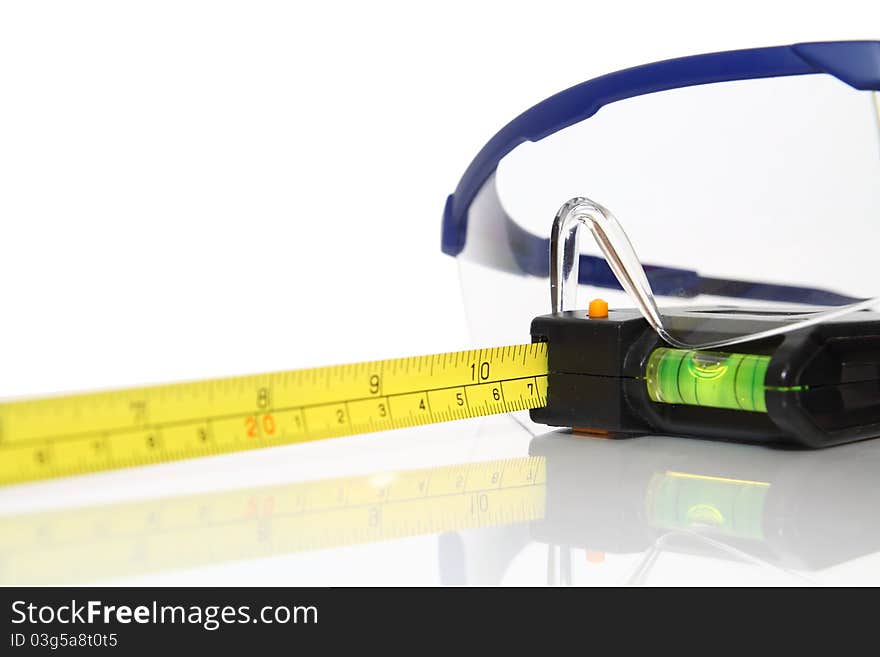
point(598, 309)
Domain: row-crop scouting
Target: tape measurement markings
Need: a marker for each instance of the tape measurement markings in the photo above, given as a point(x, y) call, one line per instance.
point(106, 430)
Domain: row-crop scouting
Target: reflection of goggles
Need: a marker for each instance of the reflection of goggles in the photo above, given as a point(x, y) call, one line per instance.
point(774, 173)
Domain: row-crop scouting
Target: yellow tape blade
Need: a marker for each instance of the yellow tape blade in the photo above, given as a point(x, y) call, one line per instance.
point(75, 434)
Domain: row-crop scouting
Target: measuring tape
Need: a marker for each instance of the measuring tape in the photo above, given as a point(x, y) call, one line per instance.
point(58, 436)
point(82, 544)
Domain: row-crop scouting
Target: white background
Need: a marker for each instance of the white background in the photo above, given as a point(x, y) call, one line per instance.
point(191, 189)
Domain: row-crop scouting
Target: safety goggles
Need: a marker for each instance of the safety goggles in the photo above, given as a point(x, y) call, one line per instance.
point(748, 178)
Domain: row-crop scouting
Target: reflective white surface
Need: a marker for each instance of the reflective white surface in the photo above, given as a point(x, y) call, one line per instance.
point(480, 502)
point(165, 217)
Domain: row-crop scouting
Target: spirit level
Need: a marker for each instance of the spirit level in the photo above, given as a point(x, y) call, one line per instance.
point(814, 387)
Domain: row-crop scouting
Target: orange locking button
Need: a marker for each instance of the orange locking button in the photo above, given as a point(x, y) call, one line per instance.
point(598, 309)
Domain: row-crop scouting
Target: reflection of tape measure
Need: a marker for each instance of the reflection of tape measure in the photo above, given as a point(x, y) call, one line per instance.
point(98, 431)
point(175, 532)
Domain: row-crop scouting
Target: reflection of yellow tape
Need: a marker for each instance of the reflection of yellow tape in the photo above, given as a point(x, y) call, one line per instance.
point(83, 433)
point(75, 545)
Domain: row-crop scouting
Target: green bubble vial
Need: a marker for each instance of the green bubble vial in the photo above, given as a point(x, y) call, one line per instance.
point(707, 378)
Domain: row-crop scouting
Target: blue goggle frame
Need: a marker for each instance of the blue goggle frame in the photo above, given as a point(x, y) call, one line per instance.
point(857, 63)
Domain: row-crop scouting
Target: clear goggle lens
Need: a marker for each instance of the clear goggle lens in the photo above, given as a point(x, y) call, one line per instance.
point(759, 194)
